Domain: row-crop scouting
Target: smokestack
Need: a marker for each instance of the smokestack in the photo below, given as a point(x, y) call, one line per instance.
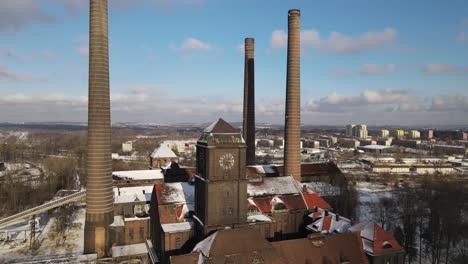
point(99, 194)
point(248, 126)
point(292, 130)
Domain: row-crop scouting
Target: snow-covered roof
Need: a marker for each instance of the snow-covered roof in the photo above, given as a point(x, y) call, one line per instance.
point(258, 218)
point(133, 194)
point(163, 151)
point(128, 219)
point(175, 193)
point(129, 250)
point(118, 221)
point(177, 227)
point(272, 186)
point(329, 223)
point(375, 240)
point(376, 147)
point(139, 174)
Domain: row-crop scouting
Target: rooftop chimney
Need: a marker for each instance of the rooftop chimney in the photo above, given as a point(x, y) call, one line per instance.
point(292, 130)
point(99, 194)
point(248, 126)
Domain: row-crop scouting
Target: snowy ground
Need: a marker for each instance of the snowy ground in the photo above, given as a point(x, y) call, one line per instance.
point(22, 172)
point(18, 250)
point(369, 194)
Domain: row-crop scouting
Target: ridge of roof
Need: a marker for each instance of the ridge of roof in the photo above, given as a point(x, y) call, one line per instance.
point(220, 127)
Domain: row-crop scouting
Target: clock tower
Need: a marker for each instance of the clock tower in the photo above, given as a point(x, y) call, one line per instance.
point(220, 183)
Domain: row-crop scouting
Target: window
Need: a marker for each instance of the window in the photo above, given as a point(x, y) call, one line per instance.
point(267, 231)
point(142, 233)
point(178, 242)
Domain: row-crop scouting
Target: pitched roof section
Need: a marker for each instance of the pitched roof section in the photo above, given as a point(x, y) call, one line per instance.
point(375, 239)
point(220, 127)
point(163, 151)
point(273, 186)
point(317, 249)
point(239, 241)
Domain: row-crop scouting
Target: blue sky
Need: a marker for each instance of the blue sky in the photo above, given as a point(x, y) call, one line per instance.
point(375, 62)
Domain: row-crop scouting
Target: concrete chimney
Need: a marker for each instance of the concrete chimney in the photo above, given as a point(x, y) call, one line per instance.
point(248, 126)
point(99, 194)
point(292, 129)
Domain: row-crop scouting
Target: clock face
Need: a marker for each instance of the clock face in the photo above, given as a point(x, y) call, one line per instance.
point(226, 161)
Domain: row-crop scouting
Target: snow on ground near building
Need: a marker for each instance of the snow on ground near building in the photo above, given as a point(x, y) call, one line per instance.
point(129, 250)
point(73, 242)
point(139, 174)
point(369, 195)
point(177, 227)
point(20, 135)
point(20, 169)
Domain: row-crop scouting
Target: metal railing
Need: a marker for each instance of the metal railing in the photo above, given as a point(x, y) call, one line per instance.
point(42, 208)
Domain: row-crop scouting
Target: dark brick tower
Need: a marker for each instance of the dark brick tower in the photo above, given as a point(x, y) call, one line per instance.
point(248, 127)
point(99, 194)
point(292, 129)
point(220, 183)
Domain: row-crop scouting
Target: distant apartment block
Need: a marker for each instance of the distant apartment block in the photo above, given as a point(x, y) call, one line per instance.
point(415, 134)
point(448, 149)
point(427, 134)
point(384, 133)
point(348, 142)
point(349, 130)
point(399, 133)
point(127, 146)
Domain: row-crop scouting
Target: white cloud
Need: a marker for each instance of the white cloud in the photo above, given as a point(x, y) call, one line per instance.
point(337, 42)
point(15, 15)
point(9, 75)
point(194, 44)
point(368, 99)
point(48, 54)
point(442, 68)
point(377, 68)
point(240, 48)
point(138, 103)
point(450, 102)
point(462, 36)
point(279, 39)
point(83, 50)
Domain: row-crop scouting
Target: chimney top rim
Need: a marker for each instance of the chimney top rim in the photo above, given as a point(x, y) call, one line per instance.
point(294, 11)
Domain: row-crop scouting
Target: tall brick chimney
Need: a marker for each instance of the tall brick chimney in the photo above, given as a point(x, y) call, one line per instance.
point(292, 129)
point(248, 126)
point(99, 194)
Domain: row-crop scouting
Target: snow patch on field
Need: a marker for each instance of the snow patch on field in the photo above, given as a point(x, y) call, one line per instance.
point(18, 250)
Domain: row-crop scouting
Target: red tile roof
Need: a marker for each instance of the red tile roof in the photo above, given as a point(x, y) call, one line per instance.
point(374, 239)
point(293, 202)
point(314, 200)
point(383, 240)
point(327, 220)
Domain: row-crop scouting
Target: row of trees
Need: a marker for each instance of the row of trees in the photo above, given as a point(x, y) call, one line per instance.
point(19, 193)
point(430, 222)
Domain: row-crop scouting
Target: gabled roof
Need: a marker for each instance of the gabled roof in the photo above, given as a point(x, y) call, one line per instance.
point(163, 151)
point(319, 249)
point(220, 127)
point(266, 204)
point(375, 240)
point(327, 222)
point(232, 241)
point(314, 200)
point(175, 193)
point(272, 186)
